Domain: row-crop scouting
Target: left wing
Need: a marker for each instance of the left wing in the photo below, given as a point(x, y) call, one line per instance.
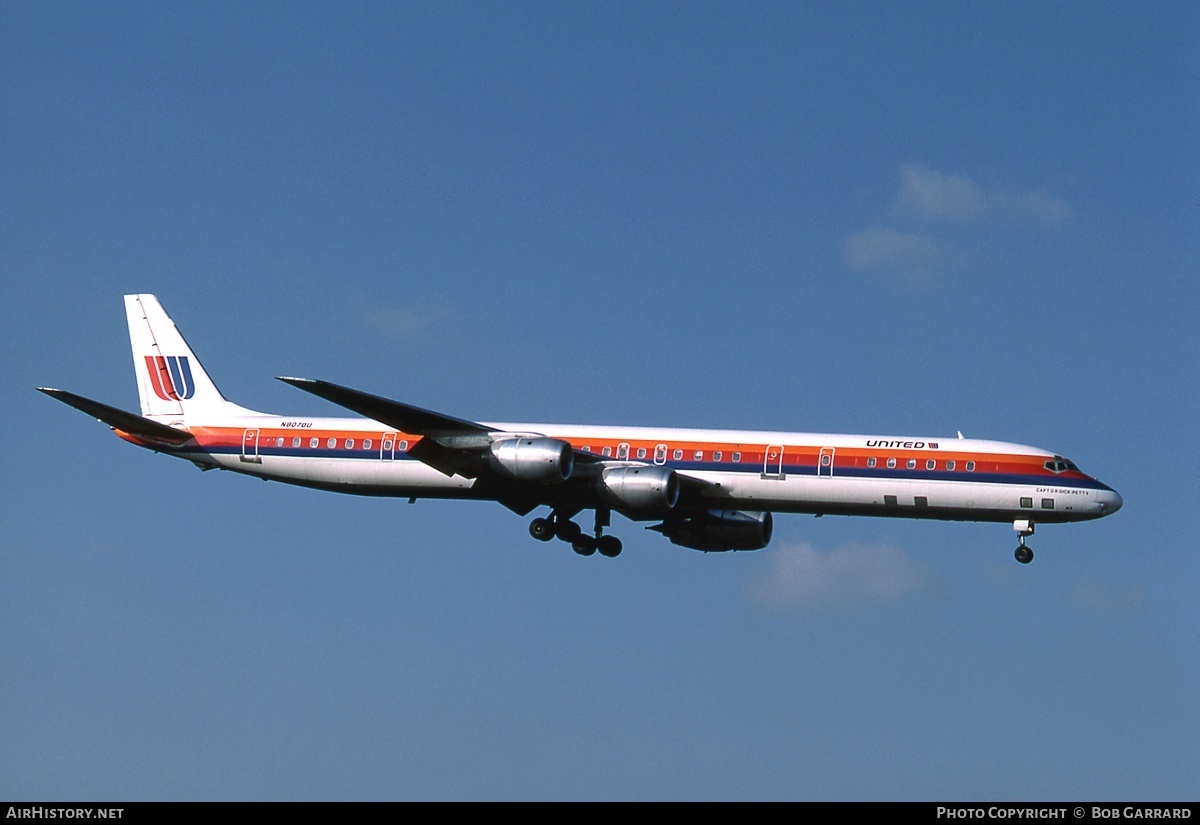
point(449, 445)
point(453, 446)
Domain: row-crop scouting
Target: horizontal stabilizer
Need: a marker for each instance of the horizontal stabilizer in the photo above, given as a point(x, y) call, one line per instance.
point(120, 419)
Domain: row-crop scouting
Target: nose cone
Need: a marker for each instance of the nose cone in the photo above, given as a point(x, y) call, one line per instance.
point(1110, 501)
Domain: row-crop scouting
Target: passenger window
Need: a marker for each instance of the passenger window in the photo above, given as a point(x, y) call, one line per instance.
point(607, 451)
point(737, 457)
point(912, 464)
point(366, 443)
point(871, 461)
point(641, 452)
point(331, 443)
point(931, 464)
point(279, 442)
point(891, 463)
point(699, 455)
point(349, 443)
point(970, 466)
point(403, 445)
point(295, 442)
point(314, 442)
point(717, 455)
point(678, 454)
point(949, 465)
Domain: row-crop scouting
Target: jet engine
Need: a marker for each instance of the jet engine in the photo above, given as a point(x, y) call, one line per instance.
point(640, 487)
point(536, 460)
point(718, 530)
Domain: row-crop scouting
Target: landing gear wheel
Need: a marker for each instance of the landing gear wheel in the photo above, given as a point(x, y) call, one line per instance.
point(609, 546)
point(1023, 554)
point(568, 531)
point(541, 529)
point(584, 545)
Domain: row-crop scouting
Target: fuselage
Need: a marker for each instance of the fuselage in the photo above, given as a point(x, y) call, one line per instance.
point(889, 476)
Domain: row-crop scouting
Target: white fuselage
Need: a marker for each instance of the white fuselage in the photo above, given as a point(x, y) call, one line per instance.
point(956, 478)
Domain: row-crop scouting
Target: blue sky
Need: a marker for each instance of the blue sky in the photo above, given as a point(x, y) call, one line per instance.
point(846, 217)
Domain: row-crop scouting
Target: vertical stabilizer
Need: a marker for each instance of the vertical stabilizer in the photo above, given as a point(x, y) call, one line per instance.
point(171, 381)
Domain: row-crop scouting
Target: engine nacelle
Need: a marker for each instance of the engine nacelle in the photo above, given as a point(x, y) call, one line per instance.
point(639, 488)
point(535, 460)
point(718, 530)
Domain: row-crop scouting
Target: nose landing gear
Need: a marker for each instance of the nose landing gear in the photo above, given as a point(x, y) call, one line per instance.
point(560, 526)
point(1023, 528)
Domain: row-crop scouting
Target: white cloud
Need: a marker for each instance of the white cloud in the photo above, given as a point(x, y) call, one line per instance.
point(929, 194)
point(800, 575)
point(891, 251)
point(952, 205)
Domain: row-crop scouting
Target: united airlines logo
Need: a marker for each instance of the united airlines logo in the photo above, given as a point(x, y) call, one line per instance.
point(171, 377)
point(904, 445)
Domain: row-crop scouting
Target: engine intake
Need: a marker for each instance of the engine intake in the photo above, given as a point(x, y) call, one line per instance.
point(640, 487)
point(719, 530)
point(535, 460)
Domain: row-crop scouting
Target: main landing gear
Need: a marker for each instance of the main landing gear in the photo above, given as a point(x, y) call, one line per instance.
point(1023, 528)
point(560, 526)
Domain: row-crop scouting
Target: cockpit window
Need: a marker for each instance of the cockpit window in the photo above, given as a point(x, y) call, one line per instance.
point(1058, 464)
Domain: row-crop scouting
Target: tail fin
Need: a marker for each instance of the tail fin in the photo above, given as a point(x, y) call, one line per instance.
point(171, 380)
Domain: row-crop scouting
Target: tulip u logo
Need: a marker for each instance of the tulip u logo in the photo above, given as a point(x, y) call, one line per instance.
point(171, 377)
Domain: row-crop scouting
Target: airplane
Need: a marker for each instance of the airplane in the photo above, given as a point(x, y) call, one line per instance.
point(709, 490)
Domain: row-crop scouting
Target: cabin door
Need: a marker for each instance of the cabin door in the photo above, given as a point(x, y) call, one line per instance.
point(773, 462)
point(825, 462)
point(389, 446)
point(250, 447)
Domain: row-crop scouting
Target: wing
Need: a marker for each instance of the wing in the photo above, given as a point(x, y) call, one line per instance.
point(449, 445)
point(404, 417)
point(453, 446)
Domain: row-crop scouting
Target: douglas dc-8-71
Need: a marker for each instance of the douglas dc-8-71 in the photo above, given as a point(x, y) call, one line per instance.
point(709, 490)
